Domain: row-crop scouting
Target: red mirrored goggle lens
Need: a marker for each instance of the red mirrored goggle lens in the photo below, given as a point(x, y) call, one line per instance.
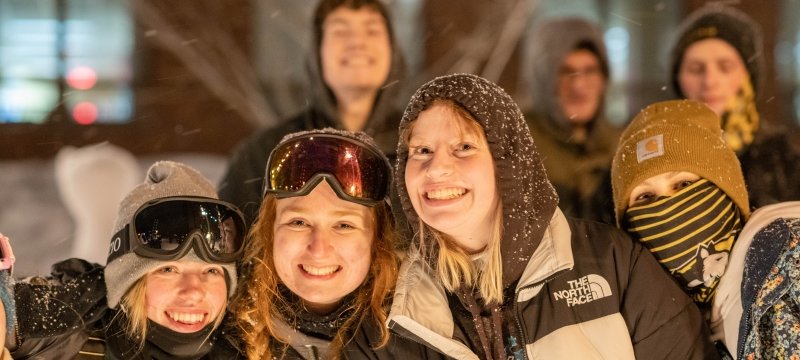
point(361, 172)
point(164, 226)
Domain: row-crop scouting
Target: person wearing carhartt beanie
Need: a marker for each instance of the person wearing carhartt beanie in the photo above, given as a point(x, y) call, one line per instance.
point(164, 179)
point(691, 224)
point(675, 135)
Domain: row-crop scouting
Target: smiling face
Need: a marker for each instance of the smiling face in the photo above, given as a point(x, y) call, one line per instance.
point(712, 72)
point(662, 185)
point(450, 176)
point(185, 295)
point(322, 246)
point(355, 51)
point(580, 86)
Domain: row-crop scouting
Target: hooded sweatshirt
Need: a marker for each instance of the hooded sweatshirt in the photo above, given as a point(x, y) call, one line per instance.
point(243, 183)
point(577, 169)
point(573, 289)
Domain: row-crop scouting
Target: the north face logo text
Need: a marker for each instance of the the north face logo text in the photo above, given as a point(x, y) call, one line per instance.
point(583, 290)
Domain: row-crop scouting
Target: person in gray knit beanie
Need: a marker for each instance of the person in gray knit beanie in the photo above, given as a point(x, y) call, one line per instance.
point(164, 179)
point(162, 295)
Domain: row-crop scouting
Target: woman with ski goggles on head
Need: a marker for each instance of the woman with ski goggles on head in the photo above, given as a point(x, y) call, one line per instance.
point(320, 259)
point(163, 292)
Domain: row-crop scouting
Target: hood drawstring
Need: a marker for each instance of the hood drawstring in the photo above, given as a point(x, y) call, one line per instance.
point(491, 336)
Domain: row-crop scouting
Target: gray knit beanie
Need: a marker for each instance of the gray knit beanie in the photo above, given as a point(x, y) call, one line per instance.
point(164, 179)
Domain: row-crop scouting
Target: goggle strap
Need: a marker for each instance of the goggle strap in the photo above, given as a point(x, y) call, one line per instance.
point(120, 244)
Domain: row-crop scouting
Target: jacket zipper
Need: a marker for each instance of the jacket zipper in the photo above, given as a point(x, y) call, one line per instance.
point(312, 352)
point(517, 317)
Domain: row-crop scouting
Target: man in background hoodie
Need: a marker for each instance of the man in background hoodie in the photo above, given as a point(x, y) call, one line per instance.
point(568, 82)
point(354, 71)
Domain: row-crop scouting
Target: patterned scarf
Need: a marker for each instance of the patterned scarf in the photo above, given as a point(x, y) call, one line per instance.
point(690, 233)
point(740, 119)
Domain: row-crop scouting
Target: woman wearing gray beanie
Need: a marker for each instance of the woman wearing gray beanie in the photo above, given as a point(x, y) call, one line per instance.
point(163, 293)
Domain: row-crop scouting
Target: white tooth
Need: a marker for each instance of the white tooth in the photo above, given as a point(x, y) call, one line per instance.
point(445, 194)
point(320, 271)
point(186, 318)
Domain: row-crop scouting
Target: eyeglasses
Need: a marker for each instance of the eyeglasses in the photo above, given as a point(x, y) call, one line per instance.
point(356, 171)
point(168, 228)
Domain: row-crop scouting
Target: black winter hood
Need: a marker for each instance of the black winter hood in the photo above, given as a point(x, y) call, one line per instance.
point(529, 200)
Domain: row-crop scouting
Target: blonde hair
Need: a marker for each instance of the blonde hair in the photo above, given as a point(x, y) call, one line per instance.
point(134, 305)
point(454, 267)
point(257, 302)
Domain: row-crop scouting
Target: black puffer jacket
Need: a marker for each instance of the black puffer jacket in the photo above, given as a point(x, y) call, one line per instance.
point(65, 316)
point(307, 347)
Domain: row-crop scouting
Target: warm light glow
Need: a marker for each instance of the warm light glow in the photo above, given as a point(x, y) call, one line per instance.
point(84, 113)
point(81, 78)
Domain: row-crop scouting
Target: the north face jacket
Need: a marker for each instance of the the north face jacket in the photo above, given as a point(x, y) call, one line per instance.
point(580, 289)
point(588, 292)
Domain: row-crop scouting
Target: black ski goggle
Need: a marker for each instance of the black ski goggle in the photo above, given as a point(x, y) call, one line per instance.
point(168, 228)
point(356, 172)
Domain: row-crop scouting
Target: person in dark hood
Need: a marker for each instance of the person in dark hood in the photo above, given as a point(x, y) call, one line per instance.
point(354, 70)
point(163, 293)
point(496, 271)
point(568, 80)
point(718, 59)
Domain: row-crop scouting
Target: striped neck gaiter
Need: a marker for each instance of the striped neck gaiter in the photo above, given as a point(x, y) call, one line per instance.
point(690, 233)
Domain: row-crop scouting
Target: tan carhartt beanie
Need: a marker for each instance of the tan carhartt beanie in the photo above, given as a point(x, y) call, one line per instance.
point(676, 135)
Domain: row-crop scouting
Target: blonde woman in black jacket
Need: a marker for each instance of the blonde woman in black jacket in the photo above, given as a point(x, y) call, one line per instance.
point(496, 270)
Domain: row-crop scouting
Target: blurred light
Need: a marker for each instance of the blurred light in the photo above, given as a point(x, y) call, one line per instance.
point(618, 41)
point(85, 113)
point(81, 78)
point(784, 53)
